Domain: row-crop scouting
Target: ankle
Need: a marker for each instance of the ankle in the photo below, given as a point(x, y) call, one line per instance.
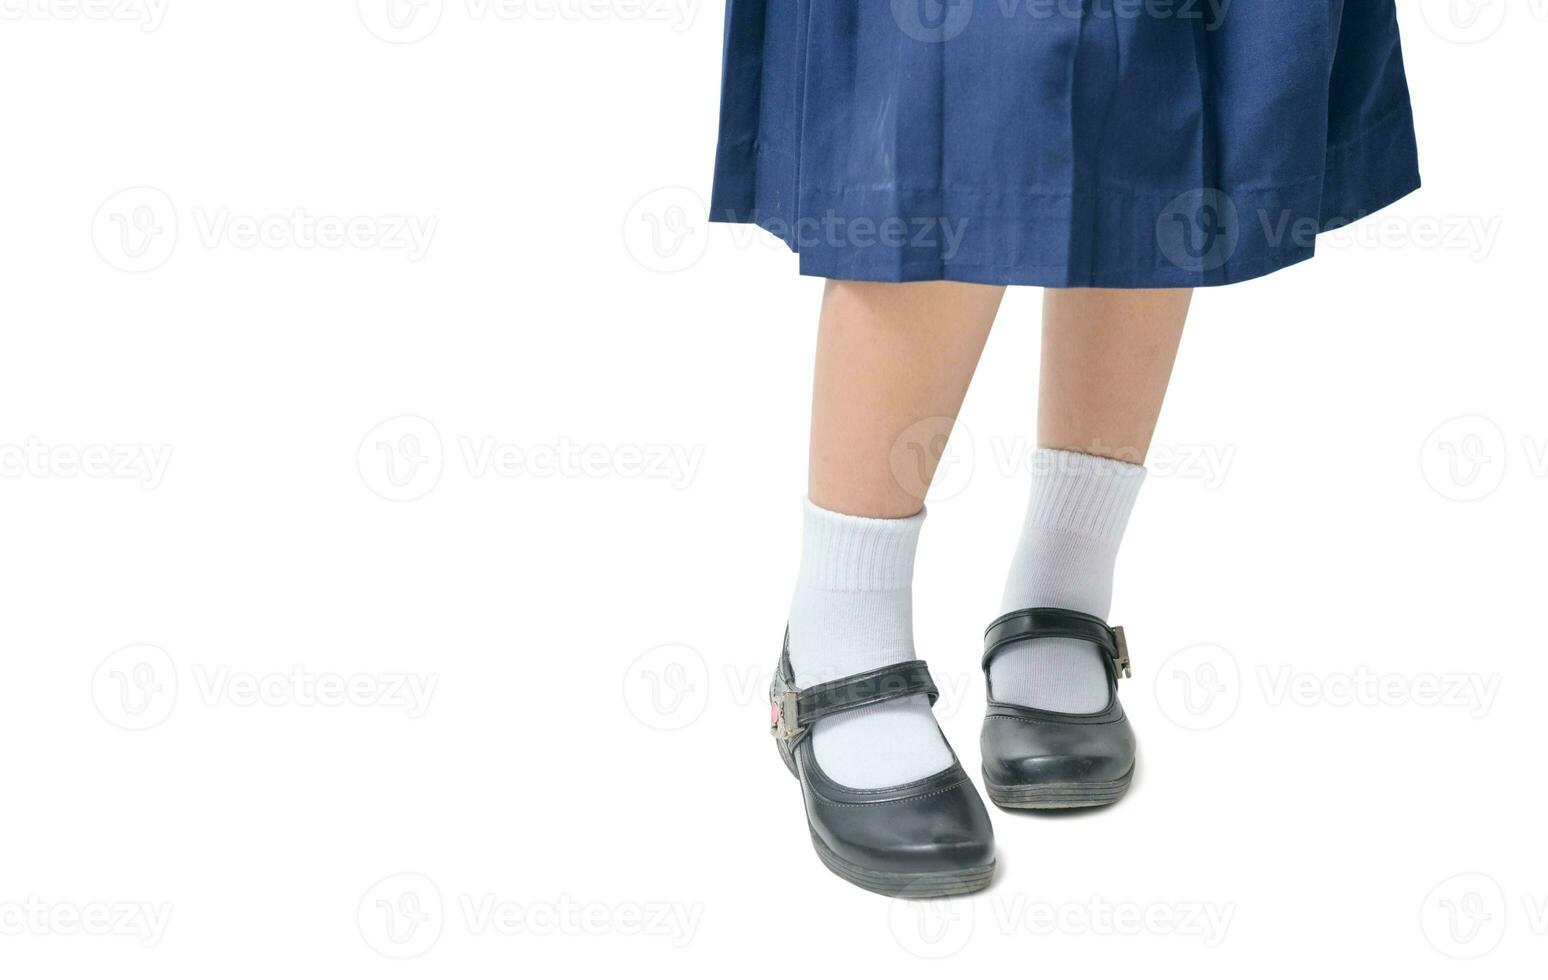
point(1075, 520)
point(853, 605)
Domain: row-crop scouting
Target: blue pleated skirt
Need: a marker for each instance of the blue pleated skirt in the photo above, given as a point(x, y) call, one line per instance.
point(1108, 143)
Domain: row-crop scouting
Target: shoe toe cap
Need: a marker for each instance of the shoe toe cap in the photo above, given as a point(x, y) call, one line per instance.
point(1020, 751)
point(943, 830)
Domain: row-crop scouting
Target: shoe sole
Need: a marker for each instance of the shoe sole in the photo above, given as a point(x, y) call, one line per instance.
point(1058, 796)
point(900, 884)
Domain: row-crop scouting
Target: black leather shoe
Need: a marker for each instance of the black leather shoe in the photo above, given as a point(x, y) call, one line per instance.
point(1045, 760)
point(923, 839)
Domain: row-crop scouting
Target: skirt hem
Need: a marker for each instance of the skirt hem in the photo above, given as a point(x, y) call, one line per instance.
point(1258, 230)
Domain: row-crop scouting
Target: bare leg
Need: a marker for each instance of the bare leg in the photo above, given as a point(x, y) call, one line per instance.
point(893, 365)
point(1107, 358)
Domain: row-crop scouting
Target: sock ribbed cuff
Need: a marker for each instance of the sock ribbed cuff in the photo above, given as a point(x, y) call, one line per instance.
point(1082, 494)
point(840, 553)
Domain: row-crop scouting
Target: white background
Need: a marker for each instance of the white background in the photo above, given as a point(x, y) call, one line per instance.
point(603, 433)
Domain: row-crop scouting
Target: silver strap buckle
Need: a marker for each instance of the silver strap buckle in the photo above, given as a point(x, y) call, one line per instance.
point(782, 715)
point(1122, 663)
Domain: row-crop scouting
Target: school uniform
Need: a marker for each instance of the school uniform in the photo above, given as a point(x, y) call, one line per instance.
point(1107, 143)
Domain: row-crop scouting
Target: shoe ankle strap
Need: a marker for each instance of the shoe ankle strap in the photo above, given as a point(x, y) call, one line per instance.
point(794, 711)
point(1044, 622)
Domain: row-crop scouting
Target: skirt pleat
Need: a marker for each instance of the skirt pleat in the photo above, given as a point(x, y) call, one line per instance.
point(1109, 143)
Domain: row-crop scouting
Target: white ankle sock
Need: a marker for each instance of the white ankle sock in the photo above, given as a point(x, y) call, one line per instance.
point(853, 611)
point(1075, 521)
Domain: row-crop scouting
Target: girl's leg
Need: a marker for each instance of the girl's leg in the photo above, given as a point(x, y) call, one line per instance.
point(889, 356)
point(1107, 358)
